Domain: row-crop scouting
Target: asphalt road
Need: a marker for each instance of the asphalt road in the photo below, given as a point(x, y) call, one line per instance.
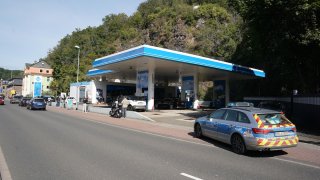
point(47, 145)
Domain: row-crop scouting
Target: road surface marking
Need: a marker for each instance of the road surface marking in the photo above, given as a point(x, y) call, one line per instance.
point(189, 176)
point(295, 162)
point(4, 170)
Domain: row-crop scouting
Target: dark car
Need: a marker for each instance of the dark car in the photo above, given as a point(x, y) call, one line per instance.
point(15, 99)
point(37, 103)
point(49, 98)
point(24, 101)
point(1, 101)
point(166, 103)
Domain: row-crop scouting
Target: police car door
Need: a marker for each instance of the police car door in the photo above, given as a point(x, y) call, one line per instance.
point(211, 124)
point(226, 125)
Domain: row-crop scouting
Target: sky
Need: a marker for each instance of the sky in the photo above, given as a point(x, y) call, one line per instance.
point(30, 28)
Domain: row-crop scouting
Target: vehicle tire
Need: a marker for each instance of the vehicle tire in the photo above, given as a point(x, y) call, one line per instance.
point(198, 131)
point(130, 108)
point(238, 145)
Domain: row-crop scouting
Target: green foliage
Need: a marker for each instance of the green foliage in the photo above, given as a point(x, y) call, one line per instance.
point(211, 30)
point(6, 74)
point(281, 37)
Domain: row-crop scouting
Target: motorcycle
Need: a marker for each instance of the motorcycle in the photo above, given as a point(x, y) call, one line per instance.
point(115, 110)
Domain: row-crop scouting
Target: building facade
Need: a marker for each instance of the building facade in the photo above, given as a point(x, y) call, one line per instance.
point(37, 79)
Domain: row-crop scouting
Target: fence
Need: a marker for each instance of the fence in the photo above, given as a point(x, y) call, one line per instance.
point(302, 111)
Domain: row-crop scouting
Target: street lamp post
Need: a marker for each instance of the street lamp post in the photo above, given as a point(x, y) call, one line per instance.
point(77, 95)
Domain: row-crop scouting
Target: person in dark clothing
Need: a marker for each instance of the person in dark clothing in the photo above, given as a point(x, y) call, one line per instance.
point(85, 108)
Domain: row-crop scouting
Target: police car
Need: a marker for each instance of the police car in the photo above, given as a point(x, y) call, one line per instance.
point(248, 128)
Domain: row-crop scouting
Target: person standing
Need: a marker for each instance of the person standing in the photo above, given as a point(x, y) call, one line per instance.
point(125, 104)
point(85, 108)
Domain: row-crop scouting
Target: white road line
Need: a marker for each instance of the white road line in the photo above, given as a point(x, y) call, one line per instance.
point(295, 162)
point(189, 176)
point(4, 170)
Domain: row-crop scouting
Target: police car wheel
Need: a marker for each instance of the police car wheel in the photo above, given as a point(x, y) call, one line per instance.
point(198, 131)
point(238, 145)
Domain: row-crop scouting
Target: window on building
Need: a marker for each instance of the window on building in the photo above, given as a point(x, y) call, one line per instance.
point(47, 71)
point(48, 79)
point(40, 70)
point(47, 87)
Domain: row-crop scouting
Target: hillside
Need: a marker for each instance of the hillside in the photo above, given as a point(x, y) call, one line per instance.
point(5, 74)
point(245, 32)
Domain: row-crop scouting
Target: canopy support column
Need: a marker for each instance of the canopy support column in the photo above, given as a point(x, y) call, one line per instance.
point(150, 88)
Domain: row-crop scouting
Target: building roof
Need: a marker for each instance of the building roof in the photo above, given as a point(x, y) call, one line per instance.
point(39, 64)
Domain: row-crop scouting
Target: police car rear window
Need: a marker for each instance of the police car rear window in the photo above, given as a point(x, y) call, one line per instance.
point(273, 119)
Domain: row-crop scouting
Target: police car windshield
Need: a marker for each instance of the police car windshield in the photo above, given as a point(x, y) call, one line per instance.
point(273, 119)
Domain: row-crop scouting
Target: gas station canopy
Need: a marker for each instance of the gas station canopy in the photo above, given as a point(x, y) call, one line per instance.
point(168, 64)
point(148, 66)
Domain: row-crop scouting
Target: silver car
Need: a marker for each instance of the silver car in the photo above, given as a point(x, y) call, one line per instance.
point(248, 128)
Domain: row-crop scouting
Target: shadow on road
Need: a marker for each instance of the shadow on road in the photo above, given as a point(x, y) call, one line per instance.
point(253, 154)
point(310, 142)
point(197, 114)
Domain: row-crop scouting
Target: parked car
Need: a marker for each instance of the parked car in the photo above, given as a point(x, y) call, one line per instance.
point(136, 103)
point(179, 104)
point(166, 103)
point(37, 103)
point(24, 101)
point(15, 99)
point(49, 98)
point(1, 101)
point(248, 128)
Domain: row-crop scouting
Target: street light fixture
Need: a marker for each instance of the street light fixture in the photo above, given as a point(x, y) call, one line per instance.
point(77, 96)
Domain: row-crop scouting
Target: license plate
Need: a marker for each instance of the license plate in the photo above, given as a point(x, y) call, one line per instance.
point(282, 133)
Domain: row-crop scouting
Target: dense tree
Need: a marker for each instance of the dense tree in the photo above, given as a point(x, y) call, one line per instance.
point(210, 30)
point(6, 74)
point(283, 38)
point(279, 36)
